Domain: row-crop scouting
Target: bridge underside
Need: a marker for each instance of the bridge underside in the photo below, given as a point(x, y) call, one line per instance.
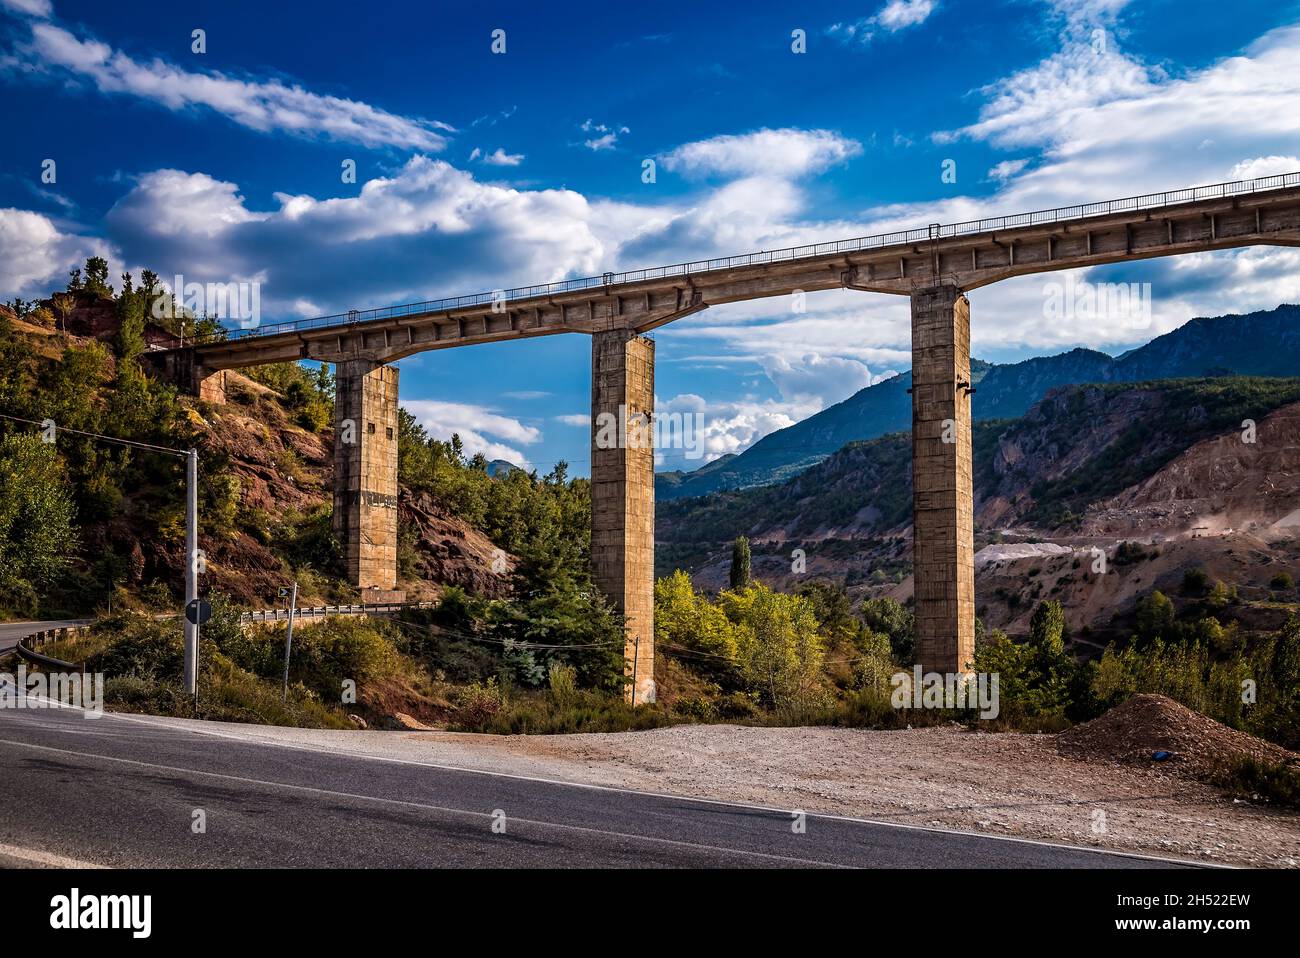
point(934, 272)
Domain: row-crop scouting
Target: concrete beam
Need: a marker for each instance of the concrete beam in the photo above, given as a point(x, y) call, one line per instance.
point(365, 471)
point(623, 493)
point(943, 530)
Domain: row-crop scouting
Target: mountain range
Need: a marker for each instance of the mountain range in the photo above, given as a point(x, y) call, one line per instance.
point(1264, 343)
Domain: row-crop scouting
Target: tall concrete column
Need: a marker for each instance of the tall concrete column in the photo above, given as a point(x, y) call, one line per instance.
point(942, 494)
point(623, 493)
point(365, 471)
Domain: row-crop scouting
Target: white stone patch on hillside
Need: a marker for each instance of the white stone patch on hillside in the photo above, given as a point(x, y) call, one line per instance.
point(1290, 520)
point(1019, 550)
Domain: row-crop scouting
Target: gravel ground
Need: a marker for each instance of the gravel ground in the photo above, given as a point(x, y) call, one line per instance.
point(994, 783)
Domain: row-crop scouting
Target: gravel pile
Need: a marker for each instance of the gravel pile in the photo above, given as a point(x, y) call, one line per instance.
point(1134, 731)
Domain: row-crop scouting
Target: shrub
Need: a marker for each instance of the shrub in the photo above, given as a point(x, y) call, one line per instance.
point(1282, 582)
point(478, 704)
point(139, 645)
point(1271, 781)
point(1196, 582)
point(564, 685)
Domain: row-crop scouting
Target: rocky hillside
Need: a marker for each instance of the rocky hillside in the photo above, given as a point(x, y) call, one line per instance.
point(1254, 344)
point(265, 476)
point(284, 475)
point(1087, 466)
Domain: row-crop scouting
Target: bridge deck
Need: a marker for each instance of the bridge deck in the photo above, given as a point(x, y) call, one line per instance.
point(968, 255)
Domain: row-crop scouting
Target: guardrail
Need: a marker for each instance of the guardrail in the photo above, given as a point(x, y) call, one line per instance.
point(43, 637)
point(25, 648)
point(934, 231)
point(321, 611)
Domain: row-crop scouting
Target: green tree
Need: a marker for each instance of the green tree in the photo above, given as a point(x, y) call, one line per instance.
point(1047, 629)
point(779, 647)
point(888, 616)
point(687, 621)
point(64, 304)
point(97, 276)
point(37, 531)
point(740, 564)
point(129, 341)
point(1155, 617)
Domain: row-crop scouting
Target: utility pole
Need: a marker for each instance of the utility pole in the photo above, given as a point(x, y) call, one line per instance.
point(288, 639)
point(193, 559)
point(191, 570)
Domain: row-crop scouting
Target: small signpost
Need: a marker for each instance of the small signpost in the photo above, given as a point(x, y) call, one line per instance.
point(198, 611)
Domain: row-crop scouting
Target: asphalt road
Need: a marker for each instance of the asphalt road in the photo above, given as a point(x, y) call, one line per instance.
point(11, 632)
point(123, 791)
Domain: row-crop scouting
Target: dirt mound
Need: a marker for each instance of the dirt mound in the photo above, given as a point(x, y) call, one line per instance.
point(1134, 731)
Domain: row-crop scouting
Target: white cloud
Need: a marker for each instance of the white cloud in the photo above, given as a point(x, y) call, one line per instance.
point(894, 16)
point(36, 255)
point(784, 153)
point(370, 249)
point(262, 105)
point(813, 378)
point(500, 157)
point(1007, 169)
point(900, 14)
point(575, 419)
point(1086, 14)
point(479, 428)
point(1262, 166)
point(729, 426)
point(607, 139)
point(33, 8)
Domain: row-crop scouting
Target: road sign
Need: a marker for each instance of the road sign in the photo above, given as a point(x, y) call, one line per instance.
point(198, 612)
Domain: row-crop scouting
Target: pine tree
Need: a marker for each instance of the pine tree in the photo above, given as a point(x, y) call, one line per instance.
point(131, 319)
point(740, 564)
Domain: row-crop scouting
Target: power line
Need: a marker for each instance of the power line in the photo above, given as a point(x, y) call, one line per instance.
point(166, 450)
point(735, 661)
point(517, 643)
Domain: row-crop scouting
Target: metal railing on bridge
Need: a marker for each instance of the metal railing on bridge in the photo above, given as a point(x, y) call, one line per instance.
point(936, 231)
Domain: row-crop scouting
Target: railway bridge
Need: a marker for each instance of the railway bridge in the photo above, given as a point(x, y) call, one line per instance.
point(935, 266)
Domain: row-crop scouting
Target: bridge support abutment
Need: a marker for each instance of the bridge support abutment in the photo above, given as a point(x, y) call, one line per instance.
point(182, 368)
point(943, 546)
point(210, 385)
point(365, 471)
point(623, 493)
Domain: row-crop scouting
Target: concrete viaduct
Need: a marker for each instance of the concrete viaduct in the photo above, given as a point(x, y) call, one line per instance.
point(934, 266)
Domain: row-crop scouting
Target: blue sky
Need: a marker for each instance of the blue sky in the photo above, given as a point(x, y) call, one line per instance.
point(477, 170)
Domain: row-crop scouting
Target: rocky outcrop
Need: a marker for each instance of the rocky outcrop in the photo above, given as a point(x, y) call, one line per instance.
point(451, 551)
point(1217, 485)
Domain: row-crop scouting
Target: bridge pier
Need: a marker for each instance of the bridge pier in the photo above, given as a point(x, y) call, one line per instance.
point(365, 471)
point(182, 367)
point(943, 530)
point(623, 493)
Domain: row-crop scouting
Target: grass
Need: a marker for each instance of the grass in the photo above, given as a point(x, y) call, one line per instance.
point(240, 669)
point(1277, 783)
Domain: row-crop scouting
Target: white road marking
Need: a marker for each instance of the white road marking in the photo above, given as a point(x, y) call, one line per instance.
point(161, 722)
point(48, 859)
point(421, 806)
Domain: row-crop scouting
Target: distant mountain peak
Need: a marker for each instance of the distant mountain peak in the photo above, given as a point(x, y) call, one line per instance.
point(1263, 343)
